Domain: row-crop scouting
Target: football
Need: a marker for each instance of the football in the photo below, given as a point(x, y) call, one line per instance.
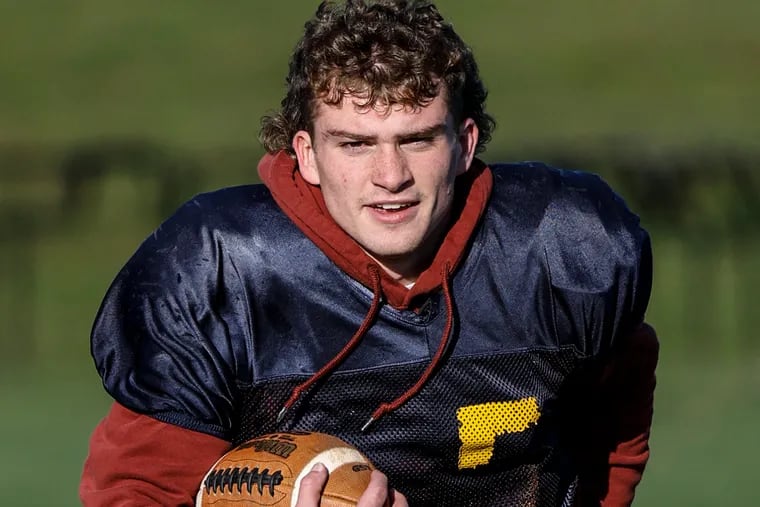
point(267, 470)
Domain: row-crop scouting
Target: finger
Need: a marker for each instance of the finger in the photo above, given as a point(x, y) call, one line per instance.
point(311, 486)
point(399, 500)
point(376, 494)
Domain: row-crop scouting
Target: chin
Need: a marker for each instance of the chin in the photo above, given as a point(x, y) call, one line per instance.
point(392, 256)
point(393, 251)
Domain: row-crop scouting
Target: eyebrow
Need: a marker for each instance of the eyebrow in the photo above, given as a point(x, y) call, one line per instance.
point(424, 132)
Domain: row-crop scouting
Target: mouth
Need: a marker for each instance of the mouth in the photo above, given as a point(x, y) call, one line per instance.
point(392, 206)
point(393, 213)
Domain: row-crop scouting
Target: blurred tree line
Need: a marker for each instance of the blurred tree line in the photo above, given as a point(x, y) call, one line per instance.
point(70, 217)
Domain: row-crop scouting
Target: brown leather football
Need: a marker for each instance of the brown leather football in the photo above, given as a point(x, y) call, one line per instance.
point(267, 470)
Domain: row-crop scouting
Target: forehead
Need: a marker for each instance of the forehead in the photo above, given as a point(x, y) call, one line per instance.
point(353, 114)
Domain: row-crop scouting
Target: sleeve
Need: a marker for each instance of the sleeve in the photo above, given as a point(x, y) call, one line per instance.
point(171, 342)
point(630, 383)
point(620, 448)
point(600, 263)
point(172, 339)
point(137, 460)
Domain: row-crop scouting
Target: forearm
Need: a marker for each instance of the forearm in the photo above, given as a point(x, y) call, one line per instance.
point(137, 460)
point(631, 398)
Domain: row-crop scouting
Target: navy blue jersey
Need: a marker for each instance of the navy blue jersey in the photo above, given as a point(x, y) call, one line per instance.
point(228, 306)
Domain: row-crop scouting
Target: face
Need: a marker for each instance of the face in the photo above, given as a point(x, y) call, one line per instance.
point(388, 176)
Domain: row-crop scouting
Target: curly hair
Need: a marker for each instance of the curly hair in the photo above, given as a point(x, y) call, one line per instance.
point(384, 52)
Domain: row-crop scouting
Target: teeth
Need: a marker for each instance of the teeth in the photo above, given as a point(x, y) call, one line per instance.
point(392, 206)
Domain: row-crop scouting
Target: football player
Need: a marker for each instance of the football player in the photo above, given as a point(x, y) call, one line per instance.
point(477, 330)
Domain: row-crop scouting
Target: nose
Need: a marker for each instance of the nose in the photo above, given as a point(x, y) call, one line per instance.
point(391, 169)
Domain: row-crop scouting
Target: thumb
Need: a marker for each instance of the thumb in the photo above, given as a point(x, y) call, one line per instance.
point(309, 490)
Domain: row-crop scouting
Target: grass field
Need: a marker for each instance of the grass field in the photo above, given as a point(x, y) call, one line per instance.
point(704, 439)
point(201, 74)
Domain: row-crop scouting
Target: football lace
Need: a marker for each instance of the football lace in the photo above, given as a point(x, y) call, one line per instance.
point(230, 478)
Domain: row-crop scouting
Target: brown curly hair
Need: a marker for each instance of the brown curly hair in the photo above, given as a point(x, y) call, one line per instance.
point(385, 52)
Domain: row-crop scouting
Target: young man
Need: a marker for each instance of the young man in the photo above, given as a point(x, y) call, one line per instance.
point(476, 330)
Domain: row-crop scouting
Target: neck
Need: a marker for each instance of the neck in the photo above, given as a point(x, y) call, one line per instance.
point(397, 270)
point(406, 268)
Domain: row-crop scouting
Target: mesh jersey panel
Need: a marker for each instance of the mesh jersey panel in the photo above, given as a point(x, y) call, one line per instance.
point(483, 431)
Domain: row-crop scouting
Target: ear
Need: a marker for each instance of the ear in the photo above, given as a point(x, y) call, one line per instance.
point(307, 164)
point(468, 141)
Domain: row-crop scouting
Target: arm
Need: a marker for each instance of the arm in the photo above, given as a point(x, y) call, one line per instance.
point(620, 448)
point(630, 385)
point(600, 261)
point(170, 342)
point(137, 460)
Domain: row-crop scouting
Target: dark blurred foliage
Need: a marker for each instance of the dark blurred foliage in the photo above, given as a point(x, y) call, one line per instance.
point(706, 198)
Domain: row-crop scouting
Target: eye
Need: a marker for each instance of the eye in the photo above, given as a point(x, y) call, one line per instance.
point(418, 142)
point(353, 145)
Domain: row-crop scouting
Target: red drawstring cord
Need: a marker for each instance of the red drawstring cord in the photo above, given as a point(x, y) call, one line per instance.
point(445, 339)
point(346, 350)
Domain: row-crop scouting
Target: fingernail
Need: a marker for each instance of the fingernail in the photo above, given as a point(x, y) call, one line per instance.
point(319, 467)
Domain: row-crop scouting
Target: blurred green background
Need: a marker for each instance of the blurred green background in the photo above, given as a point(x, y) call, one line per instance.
point(112, 113)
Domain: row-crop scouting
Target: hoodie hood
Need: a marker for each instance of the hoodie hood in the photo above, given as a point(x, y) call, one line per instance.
point(304, 205)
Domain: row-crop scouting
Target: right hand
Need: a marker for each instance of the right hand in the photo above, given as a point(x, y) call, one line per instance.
point(377, 494)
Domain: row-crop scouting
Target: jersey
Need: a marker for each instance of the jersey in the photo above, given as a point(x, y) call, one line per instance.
point(228, 306)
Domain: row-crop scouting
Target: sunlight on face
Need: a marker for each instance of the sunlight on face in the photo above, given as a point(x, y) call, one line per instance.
point(387, 176)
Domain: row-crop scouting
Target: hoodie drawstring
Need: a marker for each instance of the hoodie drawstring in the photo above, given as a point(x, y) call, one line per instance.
point(434, 362)
point(384, 408)
point(347, 348)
